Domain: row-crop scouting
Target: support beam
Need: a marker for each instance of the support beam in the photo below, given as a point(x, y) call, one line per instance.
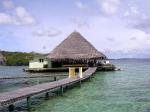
point(29, 102)
point(80, 72)
point(71, 72)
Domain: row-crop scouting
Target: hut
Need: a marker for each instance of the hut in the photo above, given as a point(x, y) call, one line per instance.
point(2, 59)
point(75, 50)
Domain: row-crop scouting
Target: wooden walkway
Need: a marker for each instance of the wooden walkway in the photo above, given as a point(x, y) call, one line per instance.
point(30, 77)
point(62, 69)
point(8, 98)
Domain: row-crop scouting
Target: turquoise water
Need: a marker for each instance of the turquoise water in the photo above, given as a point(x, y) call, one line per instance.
point(120, 91)
point(13, 71)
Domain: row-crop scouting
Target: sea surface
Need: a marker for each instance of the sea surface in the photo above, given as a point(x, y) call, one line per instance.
point(119, 91)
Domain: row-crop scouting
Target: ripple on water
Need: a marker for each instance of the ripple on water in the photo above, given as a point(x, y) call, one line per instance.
point(121, 91)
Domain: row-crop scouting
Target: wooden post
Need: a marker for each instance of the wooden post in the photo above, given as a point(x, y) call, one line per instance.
point(55, 78)
point(90, 77)
point(11, 108)
point(80, 83)
point(71, 72)
point(80, 72)
point(29, 102)
point(46, 95)
point(61, 90)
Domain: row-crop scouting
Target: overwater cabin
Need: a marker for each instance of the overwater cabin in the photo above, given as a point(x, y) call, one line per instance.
point(74, 51)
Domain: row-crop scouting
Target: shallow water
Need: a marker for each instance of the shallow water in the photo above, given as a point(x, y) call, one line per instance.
point(13, 71)
point(120, 91)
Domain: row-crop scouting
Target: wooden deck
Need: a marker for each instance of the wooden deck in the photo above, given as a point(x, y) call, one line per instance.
point(61, 69)
point(8, 98)
point(30, 77)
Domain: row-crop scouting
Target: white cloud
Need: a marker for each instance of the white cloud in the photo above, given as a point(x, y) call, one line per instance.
point(80, 23)
point(17, 15)
point(5, 18)
point(50, 32)
point(8, 4)
point(80, 5)
point(137, 19)
point(133, 12)
point(109, 7)
point(24, 17)
point(111, 34)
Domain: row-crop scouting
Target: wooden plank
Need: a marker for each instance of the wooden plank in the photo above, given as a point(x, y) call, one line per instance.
point(29, 77)
point(13, 96)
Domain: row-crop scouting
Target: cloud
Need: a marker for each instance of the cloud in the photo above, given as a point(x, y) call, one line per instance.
point(50, 32)
point(138, 19)
point(132, 13)
point(109, 7)
point(110, 39)
point(133, 38)
point(17, 15)
point(44, 47)
point(80, 5)
point(80, 23)
point(8, 4)
point(141, 24)
point(23, 16)
point(5, 18)
point(133, 53)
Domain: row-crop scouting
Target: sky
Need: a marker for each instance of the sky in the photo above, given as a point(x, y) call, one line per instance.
point(118, 28)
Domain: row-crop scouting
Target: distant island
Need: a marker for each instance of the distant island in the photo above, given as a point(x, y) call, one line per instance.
point(17, 58)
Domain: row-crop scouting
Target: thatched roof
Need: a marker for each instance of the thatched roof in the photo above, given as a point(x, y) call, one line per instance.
point(75, 47)
point(2, 59)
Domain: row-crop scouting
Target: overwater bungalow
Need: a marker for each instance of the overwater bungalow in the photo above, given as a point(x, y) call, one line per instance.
point(74, 51)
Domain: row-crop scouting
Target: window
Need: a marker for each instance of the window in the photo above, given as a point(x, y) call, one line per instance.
point(41, 60)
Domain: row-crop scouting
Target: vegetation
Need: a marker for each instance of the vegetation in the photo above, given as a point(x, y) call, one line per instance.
point(19, 58)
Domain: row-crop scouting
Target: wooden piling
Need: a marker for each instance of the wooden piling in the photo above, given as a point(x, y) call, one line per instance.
point(80, 83)
point(29, 102)
point(46, 95)
point(55, 79)
point(61, 90)
point(11, 108)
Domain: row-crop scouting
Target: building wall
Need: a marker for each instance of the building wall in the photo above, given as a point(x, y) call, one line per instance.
point(37, 64)
point(49, 64)
point(33, 64)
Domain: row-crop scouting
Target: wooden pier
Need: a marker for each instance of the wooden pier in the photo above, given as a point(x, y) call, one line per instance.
point(62, 69)
point(30, 77)
point(8, 98)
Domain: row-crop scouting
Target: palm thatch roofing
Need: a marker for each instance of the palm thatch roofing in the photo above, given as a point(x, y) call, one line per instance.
point(75, 47)
point(2, 59)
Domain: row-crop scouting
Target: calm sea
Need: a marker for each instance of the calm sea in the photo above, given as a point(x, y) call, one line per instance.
point(120, 91)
